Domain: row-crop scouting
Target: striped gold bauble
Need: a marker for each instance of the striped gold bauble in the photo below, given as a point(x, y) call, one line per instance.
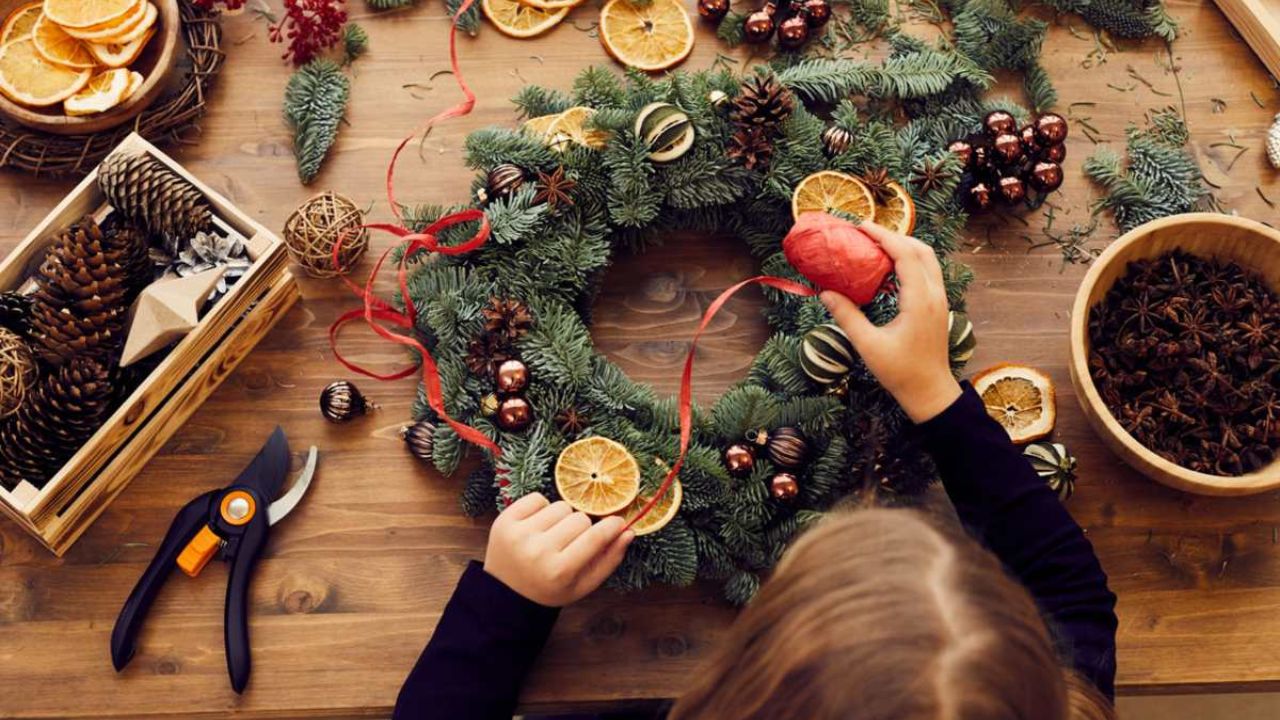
point(666, 130)
point(826, 354)
point(960, 338)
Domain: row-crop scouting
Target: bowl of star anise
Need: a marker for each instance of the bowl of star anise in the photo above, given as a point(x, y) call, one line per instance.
point(1175, 352)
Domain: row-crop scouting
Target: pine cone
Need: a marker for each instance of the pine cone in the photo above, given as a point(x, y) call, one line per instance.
point(84, 289)
point(764, 102)
point(15, 312)
point(133, 245)
point(1122, 18)
point(58, 416)
point(752, 145)
point(509, 319)
point(142, 189)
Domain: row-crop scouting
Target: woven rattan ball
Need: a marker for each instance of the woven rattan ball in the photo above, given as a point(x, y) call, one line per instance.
point(317, 225)
point(17, 371)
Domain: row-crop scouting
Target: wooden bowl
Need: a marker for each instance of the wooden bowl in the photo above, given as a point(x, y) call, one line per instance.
point(1253, 246)
point(155, 63)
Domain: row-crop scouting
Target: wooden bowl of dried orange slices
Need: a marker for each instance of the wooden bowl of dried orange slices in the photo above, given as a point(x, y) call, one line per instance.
point(75, 67)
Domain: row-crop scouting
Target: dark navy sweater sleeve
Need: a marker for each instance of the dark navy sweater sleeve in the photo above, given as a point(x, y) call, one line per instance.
point(478, 657)
point(1000, 499)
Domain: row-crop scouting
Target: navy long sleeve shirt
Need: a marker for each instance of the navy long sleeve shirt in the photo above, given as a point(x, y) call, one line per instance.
point(489, 636)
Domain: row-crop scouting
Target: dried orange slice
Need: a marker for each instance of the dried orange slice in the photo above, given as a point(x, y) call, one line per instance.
point(898, 212)
point(57, 46)
point(661, 514)
point(86, 13)
point(145, 27)
point(552, 4)
point(521, 21)
point(1020, 398)
point(540, 125)
point(597, 476)
point(103, 92)
point(572, 124)
point(830, 190)
point(115, 29)
point(118, 56)
point(27, 78)
point(21, 21)
point(653, 36)
point(135, 82)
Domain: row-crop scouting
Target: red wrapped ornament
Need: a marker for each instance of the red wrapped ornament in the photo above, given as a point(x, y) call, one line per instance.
point(835, 255)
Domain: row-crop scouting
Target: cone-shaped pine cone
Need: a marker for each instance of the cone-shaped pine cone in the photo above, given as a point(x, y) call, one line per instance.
point(84, 288)
point(58, 415)
point(150, 194)
point(764, 102)
point(752, 145)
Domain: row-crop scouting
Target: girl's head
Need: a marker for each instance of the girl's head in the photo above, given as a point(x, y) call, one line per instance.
point(881, 615)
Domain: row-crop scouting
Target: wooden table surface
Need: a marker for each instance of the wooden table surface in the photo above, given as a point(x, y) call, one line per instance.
point(352, 584)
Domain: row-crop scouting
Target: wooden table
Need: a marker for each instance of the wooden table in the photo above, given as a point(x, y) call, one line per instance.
point(352, 583)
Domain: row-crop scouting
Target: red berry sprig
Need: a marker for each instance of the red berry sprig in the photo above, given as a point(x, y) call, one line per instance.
point(310, 27)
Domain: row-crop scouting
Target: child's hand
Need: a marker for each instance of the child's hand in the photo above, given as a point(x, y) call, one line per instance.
point(552, 555)
point(909, 356)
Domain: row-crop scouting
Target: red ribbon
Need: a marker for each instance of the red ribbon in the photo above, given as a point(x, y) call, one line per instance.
point(377, 311)
point(686, 378)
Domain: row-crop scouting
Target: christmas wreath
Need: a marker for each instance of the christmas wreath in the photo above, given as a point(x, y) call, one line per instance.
point(608, 169)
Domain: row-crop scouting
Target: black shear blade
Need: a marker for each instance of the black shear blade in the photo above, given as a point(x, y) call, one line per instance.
point(267, 471)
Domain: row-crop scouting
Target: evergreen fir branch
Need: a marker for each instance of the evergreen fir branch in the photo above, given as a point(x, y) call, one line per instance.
point(730, 31)
point(598, 87)
point(515, 217)
point(388, 4)
point(741, 587)
point(558, 347)
point(536, 101)
point(1041, 95)
point(315, 100)
point(744, 408)
point(480, 494)
point(1162, 24)
point(469, 21)
point(489, 147)
point(355, 42)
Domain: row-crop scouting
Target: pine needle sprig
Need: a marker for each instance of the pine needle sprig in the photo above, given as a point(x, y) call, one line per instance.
point(315, 101)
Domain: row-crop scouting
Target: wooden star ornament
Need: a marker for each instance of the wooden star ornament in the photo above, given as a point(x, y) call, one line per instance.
point(166, 311)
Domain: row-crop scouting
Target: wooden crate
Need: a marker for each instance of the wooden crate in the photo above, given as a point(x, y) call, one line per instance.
point(1258, 21)
point(60, 511)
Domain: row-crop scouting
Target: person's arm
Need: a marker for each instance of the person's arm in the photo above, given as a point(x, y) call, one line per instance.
point(541, 557)
point(999, 497)
point(994, 489)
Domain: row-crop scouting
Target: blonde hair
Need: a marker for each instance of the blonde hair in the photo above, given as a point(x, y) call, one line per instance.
point(883, 615)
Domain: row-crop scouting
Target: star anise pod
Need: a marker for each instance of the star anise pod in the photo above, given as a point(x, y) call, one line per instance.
point(507, 318)
point(485, 354)
point(570, 421)
point(931, 175)
point(554, 189)
point(880, 184)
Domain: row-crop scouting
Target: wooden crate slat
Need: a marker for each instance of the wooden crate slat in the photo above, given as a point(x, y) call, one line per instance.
point(1258, 21)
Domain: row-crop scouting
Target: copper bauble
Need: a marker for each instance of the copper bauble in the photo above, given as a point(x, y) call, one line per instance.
point(1011, 189)
point(420, 439)
point(1045, 176)
point(342, 401)
point(1054, 154)
point(817, 12)
point(787, 448)
point(962, 150)
point(784, 486)
point(514, 414)
point(982, 157)
point(758, 27)
point(713, 10)
point(739, 460)
point(512, 377)
point(1051, 129)
point(793, 32)
point(977, 197)
point(1028, 136)
point(501, 181)
point(1008, 148)
point(999, 122)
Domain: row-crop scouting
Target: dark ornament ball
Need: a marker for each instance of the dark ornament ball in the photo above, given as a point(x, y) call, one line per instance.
point(1045, 176)
point(784, 486)
point(758, 27)
point(977, 197)
point(999, 122)
point(835, 140)
point(1051, 129)
point(514, 414)
point(419, 437)
point(1028, 136)
point(512, 377)
point(342, 401)
point(787, 448)
point(713, 10)
point(817, 12)
point(1054, 153)
point(1012, 190)
point(1008, 148)
point(501, 181)
point(793, 32)
point(962, 150)
point(739, 459)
